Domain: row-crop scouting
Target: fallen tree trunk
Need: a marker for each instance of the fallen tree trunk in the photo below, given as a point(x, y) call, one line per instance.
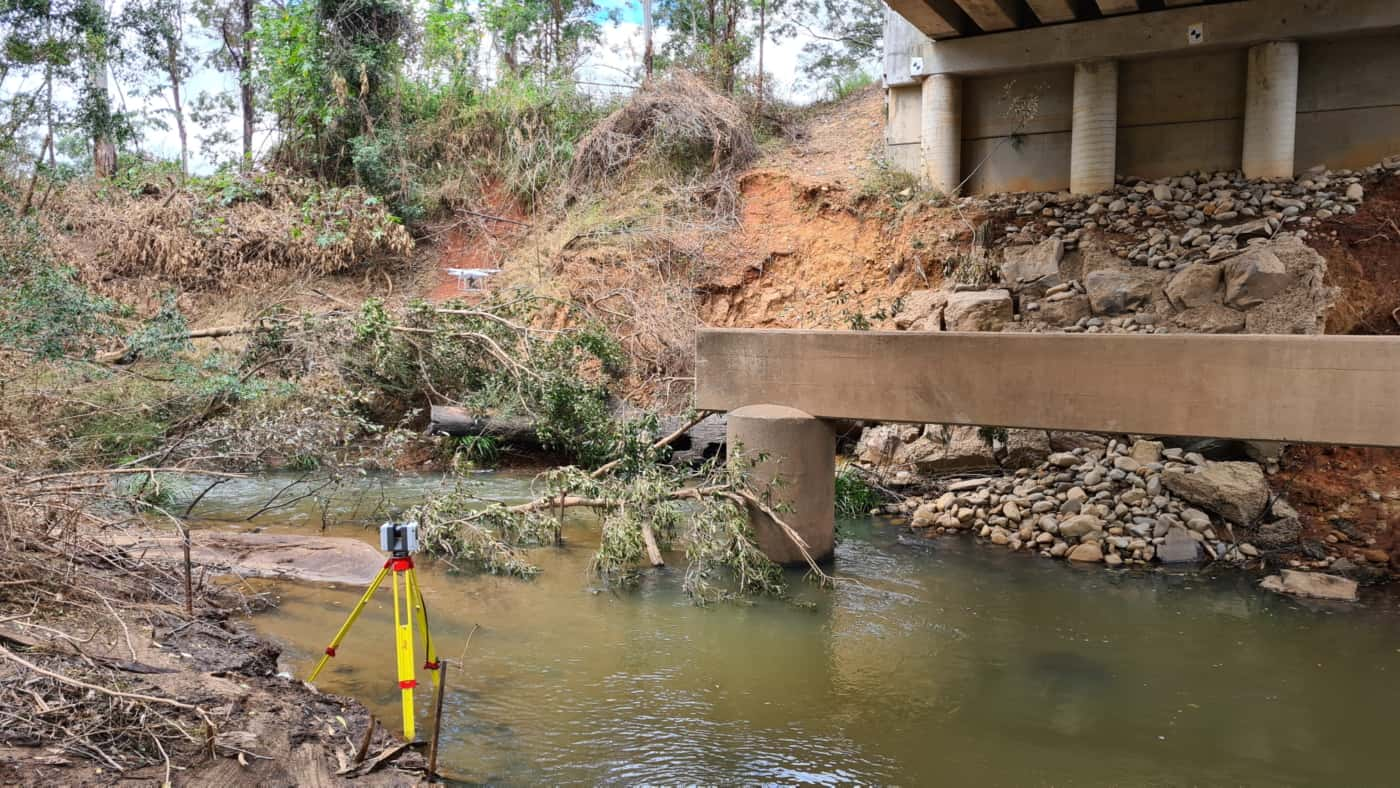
point(128, 354)
point(460, 422)
point(697, 442)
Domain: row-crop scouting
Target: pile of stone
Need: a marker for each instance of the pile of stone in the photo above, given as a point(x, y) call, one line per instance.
point(1170, 222)
point(1118, 505)
point(1273, 287)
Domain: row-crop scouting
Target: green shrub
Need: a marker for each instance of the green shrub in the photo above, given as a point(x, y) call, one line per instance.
point(855, 496)
point(844, 85)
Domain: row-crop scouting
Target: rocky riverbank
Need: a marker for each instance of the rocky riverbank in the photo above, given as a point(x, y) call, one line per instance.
point(1136, 504)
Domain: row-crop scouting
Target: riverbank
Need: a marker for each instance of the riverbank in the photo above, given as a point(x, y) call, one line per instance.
point(1123, 505)
point(107, 679)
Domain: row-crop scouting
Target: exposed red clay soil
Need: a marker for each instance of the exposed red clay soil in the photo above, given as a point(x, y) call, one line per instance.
point(813, 254)
point(1363, 260)
point(1353, 494)
point(1350, 493)
point(476, 241)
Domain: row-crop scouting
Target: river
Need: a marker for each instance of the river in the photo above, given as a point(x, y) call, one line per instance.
point(947, 662)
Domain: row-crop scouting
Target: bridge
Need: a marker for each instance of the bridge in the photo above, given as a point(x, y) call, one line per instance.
point(781, 386)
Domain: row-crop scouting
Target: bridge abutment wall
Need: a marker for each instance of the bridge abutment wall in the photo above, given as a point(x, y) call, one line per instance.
point(1273, 88)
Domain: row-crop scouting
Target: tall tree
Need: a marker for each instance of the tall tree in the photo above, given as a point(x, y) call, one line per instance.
point(157, 28)
point(706, 35)
point(842, 37)
point(232, 22)
point(95, 27)
point(541, 35)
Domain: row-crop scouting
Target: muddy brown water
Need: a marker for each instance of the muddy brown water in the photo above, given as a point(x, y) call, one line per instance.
point(951, 663)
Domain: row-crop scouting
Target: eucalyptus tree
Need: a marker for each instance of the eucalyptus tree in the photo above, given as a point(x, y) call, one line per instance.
point(160, 57)
point(53, 47)
point(542, 35)
point(231, 22)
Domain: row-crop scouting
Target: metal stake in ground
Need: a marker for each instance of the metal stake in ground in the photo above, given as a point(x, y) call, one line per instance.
point(400, 540)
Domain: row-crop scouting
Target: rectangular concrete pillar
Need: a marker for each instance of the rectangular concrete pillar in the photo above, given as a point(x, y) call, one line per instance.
point(1094, 130)
point(940, 132)
point(1271, 110)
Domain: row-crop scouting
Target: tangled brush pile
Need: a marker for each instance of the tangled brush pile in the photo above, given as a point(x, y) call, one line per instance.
point(679, 119)
point(216, 233)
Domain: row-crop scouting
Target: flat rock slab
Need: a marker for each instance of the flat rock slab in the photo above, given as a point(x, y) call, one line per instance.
point(1311, 584)
point(316, 559)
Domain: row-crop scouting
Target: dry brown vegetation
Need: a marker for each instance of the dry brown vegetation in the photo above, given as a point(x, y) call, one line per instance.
point(678, 119)
point(266, 228)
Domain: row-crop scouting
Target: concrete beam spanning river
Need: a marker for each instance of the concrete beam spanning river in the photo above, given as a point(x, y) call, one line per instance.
point(779, 386)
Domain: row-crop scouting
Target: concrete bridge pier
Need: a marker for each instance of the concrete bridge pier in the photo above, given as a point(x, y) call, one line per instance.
point(941, 132)
point(800, 454)
point(1271, 110)
point(1094, 136)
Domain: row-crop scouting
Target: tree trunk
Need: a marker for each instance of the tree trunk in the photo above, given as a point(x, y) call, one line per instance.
point(245, 85)
point(699, 443)
point(28, 199)
point(459, 422)
point(104, 150)
point(179, 119)
point(647, 56)
point(762, 33)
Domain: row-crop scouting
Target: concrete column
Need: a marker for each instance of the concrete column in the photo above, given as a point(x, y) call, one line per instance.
point(801, 449)
point(940, 131)
point(1094, 136)
point(1270, 110)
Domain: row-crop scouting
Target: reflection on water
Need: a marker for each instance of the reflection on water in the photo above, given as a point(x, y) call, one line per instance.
point(948, 663)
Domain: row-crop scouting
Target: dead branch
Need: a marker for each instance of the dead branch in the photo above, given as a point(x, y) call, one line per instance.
point(136, 696)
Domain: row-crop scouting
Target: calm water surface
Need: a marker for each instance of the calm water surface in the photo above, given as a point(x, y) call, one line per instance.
point(950, 663)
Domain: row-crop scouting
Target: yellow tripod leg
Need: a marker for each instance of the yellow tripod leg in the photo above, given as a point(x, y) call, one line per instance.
point(345, 628)
point(430, 653)
point(403, 641)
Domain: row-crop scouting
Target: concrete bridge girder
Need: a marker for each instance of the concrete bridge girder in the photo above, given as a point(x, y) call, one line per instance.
point(1294, 389)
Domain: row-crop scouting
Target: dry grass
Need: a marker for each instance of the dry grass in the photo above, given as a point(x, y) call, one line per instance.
point(206, 239)
point(677, 119)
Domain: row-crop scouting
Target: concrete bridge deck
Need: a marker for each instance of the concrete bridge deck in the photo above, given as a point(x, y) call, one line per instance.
point(1298, 389)
point(780, 385)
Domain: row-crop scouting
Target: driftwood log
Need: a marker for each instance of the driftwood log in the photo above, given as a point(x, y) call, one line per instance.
point(697, 444)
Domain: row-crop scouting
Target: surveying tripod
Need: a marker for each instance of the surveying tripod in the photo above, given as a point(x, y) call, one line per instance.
point(407, 601)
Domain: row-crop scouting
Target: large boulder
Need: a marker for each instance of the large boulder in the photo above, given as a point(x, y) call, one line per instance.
point(978, 310)
point(1306, 305)
point(1033, 268)
point(1179, 548)
point(1237, 491)
point(1113, 292)
point(1211, 319)
point(921, 310)
point(1311, 584)
point(949, 448)
point(1254, 277)
point(884, 444)
point(931, 448)
point(1089, 553)
point(1024, 448)
point(1080, 526)
point(1198, 284)
point(1280, 534)
point(1065, 311)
